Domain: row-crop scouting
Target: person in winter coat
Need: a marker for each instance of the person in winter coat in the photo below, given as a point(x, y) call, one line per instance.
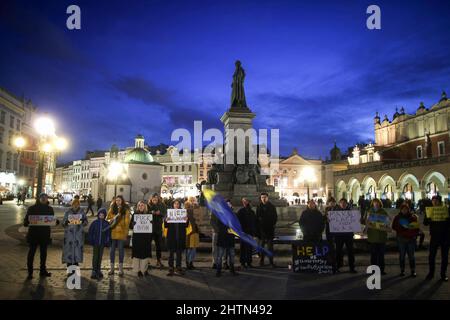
point(38, 236)
point(73, 222)
point(141, 249)
point(407, 227)
point(331, 206)
point(192, 236)
point(99, 203)
point(225, 247)
point(247, 219)
point(439, 237)
point(90, 202)
point(99, 236)
point(266, 217)
point(346, 239)
point(119, 217)
point(375, 237)
point(158, 210)
point(176, 242)
point(312, 223)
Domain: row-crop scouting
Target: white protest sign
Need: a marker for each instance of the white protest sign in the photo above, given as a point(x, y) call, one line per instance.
point(143, 223)
point(37, 220)
point(176, 216)
point(344, 221)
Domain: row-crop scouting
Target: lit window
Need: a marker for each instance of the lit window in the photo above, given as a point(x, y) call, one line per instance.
point(441, 148)
point(419, 152)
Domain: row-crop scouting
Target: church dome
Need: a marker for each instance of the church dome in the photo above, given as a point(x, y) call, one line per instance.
point(139, 154)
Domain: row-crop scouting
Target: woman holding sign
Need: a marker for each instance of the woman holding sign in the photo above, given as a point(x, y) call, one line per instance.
point(141, 251)
point(73, 222)
point(176, 238)
point(119, 218)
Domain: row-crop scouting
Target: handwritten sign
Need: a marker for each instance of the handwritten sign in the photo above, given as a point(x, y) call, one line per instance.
point(437, 213)
point(37, 220)
point(143, 223)
point(74, 219)
point(313, 257)
point(176, 216)
point(345, 221)
point(379, 222)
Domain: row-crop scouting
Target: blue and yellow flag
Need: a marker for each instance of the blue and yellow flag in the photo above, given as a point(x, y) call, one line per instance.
point(222, 211)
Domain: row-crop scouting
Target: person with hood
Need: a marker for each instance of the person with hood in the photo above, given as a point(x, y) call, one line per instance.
point(247, 219)
point(99, 236)
point(141, 249)
point(439, 237)
point(73, 222)
point(266, 217)
point(376, 238)
point(119, 217)
point(312, 223)
point(344, 238)
point(176, 242)
point(158, 211)
point(192, 236)
point(406, 225)
point(38, 236)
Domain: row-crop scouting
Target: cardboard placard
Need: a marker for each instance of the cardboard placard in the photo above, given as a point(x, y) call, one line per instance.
point(143, 223)
point(379, 222)
point(345, 221)
point(37, 220)
point(313, 257)
point(74, 219)
point(176, 216)
point(437, 213)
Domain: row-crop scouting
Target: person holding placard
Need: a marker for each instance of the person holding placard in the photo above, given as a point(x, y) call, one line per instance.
point(376, 233)
point(38, 235)
point(344, 238)
point(192, 236)
point(142, 241)
point(440, 237)
point(331, 206)
point(406, 225)
point(158, 211)
point(312, 223)
point(119, 217)
point(176, 241)
point(73, 222)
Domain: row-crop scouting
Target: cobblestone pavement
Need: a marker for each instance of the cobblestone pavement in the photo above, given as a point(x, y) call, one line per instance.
point(257, 283)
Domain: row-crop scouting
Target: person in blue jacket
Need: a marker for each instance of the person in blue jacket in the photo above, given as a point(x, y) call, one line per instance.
point(99, 236)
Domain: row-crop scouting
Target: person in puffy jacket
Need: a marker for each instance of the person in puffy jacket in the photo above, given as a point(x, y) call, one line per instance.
point(99, 236)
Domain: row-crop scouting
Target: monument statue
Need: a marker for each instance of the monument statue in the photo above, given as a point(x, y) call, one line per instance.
point(237, 93)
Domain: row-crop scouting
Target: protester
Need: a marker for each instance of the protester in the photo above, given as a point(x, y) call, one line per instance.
point(192, 236)
point(312, 223)
point(99, 236)
point(38, 236)
point(119, 218)
point(407, 227)
point(158, 211)
point(99, 203)
point(225, 247)
point(73, 222)
point(375, 237)
point(176, 242)
point(215, 230)
point(344, 238)
point(247, 219)
point(266, 217)
point(331, 206)
point(141, 249)
point(440, 237)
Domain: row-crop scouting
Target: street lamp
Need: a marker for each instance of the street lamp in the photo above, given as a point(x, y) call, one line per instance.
point(115, 170)
point(307, 175)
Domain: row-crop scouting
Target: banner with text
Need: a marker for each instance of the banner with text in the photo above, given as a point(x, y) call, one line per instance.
point(176, 216)
point(437, 213)
point(143, 223)
point(48, 221)
point(345, 221)
point(313, 257)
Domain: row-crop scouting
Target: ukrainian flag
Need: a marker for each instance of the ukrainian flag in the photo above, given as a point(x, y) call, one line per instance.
point(217, 205)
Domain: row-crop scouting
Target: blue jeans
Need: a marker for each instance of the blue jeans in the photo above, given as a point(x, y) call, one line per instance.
point(190, 254)
point(112, 250)
point(229, 256)
point(404, 247)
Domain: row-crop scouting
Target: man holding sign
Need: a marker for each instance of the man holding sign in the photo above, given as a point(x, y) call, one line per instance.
point(175, 224)
point(439, 223)
point(39, 218)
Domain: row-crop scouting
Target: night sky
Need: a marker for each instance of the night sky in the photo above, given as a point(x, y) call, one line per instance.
point(313, 68)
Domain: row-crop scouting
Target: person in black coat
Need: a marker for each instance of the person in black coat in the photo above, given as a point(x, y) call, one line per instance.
point(247, 219)
point(266, 217)
point(312, 223)
point(176, 242)
point(225, 246)
point(158, 211)
point(38, 236)
point(440, 237)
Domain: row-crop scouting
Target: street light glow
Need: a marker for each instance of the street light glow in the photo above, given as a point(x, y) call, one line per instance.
point(45, 127)
point(47, 147)
point(60, 143)
point(114, 170)
point(308, 175)
point(19, 142)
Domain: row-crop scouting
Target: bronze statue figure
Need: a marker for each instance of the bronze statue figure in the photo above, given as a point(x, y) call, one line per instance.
point(237, 94)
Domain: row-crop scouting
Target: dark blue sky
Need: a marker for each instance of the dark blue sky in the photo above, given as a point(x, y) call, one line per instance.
point(313, 68)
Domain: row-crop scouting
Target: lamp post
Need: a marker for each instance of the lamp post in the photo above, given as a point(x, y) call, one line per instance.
point(49, 143)
point(115, 170)
point(307, 175)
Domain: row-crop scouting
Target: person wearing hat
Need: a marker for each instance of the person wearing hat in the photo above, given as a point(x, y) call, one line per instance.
point(99, 236)
point(73, 222)
point(38, 236)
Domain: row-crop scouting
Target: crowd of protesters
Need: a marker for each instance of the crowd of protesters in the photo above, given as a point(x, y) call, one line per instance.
point(112, 226)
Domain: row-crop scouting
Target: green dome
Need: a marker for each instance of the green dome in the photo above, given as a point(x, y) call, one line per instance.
point(138, 155)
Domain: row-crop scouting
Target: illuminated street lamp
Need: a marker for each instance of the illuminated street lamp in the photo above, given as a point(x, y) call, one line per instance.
point(115, 170)
point(307, 175)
